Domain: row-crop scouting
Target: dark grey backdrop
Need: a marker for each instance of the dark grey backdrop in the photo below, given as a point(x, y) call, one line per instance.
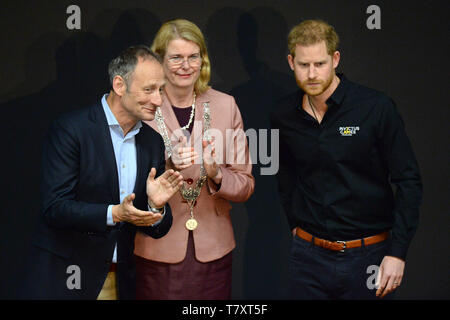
point(47, 69)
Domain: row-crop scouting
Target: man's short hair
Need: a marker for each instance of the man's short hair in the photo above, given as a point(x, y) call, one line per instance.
point(310, 32)
point(124, 64)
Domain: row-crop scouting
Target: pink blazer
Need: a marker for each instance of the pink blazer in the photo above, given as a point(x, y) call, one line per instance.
point(213, 237)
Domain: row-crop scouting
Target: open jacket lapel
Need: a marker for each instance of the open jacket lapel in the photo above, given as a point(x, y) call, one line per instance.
point(105, 149)
point(143, 159)
point(170, 119)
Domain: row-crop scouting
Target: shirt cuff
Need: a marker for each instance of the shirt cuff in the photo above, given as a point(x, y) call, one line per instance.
point(397, 250)
point(109, 217)
point(162, 214)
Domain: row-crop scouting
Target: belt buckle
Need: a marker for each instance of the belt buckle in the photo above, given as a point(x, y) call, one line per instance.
point(345, 245)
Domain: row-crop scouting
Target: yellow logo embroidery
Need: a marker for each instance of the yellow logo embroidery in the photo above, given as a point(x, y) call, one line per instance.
point(348, 131)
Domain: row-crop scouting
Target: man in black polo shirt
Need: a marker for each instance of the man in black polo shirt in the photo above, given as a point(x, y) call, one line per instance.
point(341, 147)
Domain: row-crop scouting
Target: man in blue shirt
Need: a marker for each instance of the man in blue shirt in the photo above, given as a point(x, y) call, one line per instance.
point(99, 187)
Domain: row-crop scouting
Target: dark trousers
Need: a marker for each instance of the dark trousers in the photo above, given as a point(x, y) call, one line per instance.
point(321, 274)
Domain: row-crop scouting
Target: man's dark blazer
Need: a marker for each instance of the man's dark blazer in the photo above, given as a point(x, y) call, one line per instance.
point(79, 181)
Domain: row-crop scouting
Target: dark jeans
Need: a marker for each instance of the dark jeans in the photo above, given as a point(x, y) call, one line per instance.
point(318, 274)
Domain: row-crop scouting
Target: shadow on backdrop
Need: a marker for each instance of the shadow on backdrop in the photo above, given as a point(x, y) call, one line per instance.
point(259, 36)
point(226, 70)
point(28, 119)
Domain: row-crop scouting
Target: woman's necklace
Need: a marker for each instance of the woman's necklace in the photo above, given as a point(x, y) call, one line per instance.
point(188, 193)
point(312, 108)
point(191, 117)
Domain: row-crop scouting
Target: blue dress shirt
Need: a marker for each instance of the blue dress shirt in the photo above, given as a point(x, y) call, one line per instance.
point(125, 153)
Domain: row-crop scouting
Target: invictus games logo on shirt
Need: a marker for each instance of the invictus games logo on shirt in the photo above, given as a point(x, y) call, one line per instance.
point(348, 131)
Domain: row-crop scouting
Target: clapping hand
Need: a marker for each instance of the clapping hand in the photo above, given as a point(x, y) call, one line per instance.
point(126, 211)
point(209, 163)
point(183, 157)
point(161, 189)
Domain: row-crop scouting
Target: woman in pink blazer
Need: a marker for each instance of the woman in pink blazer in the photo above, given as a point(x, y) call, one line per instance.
point(194, 259)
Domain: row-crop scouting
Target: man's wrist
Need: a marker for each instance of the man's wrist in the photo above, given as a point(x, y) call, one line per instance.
point(162, 212)
point(153, 208)
point(115, 214)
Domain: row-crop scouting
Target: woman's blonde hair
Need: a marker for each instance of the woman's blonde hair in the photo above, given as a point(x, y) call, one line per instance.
point(184, 29)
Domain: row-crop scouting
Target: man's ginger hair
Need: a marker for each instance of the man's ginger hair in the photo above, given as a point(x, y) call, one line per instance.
point(310, 32)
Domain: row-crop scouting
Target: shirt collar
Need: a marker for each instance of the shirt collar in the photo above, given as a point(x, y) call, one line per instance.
point(338, 95)
point(111, 118)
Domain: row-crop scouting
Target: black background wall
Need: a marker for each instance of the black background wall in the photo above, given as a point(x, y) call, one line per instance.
point(47, 69)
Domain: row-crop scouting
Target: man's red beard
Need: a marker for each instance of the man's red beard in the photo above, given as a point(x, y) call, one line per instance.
point(318, 89)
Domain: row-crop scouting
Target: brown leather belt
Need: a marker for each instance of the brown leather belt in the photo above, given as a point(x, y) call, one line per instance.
point(341, 245)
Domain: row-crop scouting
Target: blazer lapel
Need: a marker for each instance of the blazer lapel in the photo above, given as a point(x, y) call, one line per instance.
point(105, 150)
point(170, 119)
point(141, 159)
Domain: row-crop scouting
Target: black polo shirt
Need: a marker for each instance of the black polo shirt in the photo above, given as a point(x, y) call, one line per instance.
point(335, 177)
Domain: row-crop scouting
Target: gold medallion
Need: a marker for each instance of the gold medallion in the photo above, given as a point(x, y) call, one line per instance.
point(191, 224)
